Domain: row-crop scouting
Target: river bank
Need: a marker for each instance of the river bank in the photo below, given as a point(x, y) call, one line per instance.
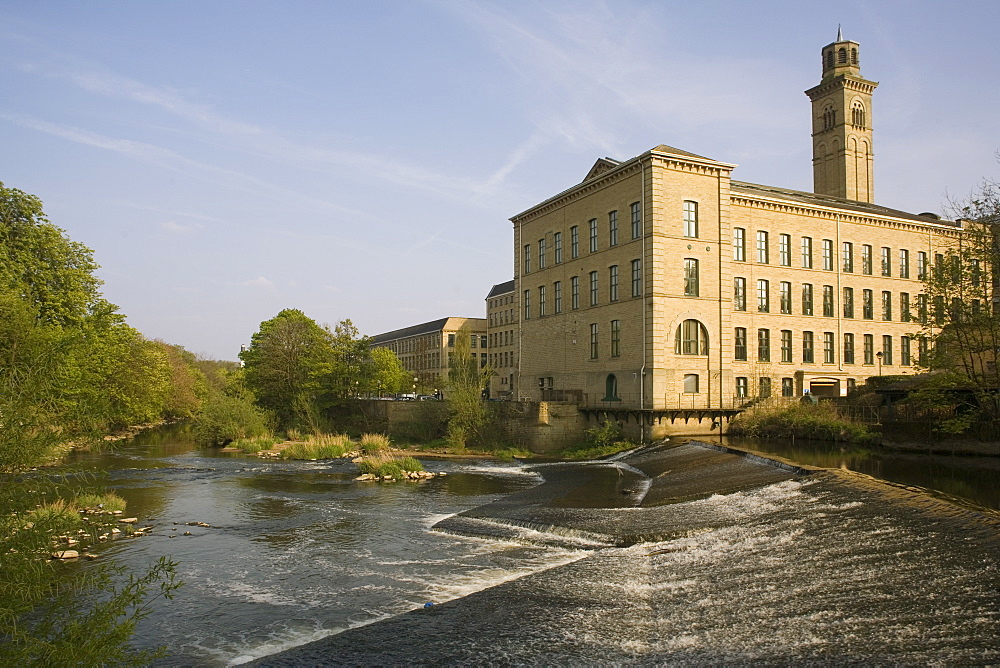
point(828, 568)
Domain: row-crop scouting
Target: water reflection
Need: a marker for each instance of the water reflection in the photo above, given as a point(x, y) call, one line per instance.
point(974, 478)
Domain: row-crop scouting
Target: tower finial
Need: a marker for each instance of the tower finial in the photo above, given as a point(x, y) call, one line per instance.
point(840, 35)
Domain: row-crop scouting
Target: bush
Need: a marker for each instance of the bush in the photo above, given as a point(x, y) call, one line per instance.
point(225, 418)
point(819, 421)
point(601, 441)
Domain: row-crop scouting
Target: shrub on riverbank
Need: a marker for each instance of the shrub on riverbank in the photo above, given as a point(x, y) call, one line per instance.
point(602, 441)
point(225, 418)
point(820, 421)
point(374, 443)
point(252, 446)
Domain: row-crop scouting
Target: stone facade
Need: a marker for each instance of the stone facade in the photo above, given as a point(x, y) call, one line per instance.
point(502, 338)
point(660, 283)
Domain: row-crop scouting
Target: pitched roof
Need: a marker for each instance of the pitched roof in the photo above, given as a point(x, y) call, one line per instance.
point(501, 289)
point(413, 330)
point(755, 189)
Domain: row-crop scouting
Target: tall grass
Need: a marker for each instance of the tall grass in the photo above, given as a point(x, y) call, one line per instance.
point(252, 446)
point(371, 443)
point(384, 465)
point(108, 502)
point(820, 421)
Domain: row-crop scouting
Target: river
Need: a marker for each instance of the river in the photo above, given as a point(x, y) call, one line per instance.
point(300, 558)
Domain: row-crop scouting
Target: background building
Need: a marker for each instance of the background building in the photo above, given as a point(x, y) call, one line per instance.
point(660, 283)
point(426, 349)
point(502, 338)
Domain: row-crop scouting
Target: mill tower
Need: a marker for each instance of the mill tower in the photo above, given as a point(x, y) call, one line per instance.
point(842, 125)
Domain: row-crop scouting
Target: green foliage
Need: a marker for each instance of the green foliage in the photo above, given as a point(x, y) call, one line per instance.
point(512, 453)
point(820, 422)
point(387, 373)
point(602, 440)
point(466, 382)
point(108, 501)
point(333, 447)
point(227, 417)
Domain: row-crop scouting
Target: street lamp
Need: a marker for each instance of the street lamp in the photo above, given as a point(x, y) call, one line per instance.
point(879, 356)
point(415, 388)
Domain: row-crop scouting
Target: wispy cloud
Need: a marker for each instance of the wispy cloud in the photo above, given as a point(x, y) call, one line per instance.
point(259, 282)
point(177, 228)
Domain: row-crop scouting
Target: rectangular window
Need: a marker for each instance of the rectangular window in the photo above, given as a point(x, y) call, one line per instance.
point(739, 294)
point(593, 288)
point(451, 338)
point(541, 253)
point(574, 242)
point(808, 356)
point(788, 387)
point(921, 265)
point(785, 296)
point(557, 296)
point(866, 260)
point(829, 353)
point(828, 254)
point(807, 299)
point(904, 306)
point(886, 261)
point(474, 341)
point(527, 258)
point(827, 301)
point(848, 300)
point(867, 305)
point(904, 263)
point(887, 350)
point(739, 244)
point(557, 247)
point(690, 277)
point(741, 386)
point(541, 301)
point(690, 219)
point(636, 220)
point(848, 349)
point(690, 383)
point(613, 283)
point(869, 344)
point(740, 344)
point(923, 350)
point(763, 296)
point(612, 228)
point(785, 250)
point(762, 251)
point(574, 292)
point(807, 253)
point(593, 235)
point(615, 338)
point(636, 278)
point(593, 341)
point(527, 304)
point(763, 345)
point(886, 305)
point(904, 350)
point(848, 257)
point(786, 345)
point(765, 387)
point(922, 309)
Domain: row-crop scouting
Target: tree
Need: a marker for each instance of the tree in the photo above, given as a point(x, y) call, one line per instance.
point(288, 365)
point(962, 290)
point(466, 382)
point(351, 370)
point(387, 373)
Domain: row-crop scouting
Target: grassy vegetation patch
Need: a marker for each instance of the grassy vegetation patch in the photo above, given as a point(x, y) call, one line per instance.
point(820, 421)
point(253, 445)
point(384, 465)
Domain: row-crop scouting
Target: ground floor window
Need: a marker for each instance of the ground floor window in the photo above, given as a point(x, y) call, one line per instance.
point(611, 388)
point(741, 386)
point(788, 387)
point(691, 383)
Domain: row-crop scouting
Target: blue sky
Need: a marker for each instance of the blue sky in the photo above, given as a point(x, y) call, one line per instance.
point(226, 160)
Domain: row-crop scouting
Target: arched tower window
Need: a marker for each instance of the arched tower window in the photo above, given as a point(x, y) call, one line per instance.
point(858, 119)
point(691, 339)
point(829, 59)
point(854, 56)
point(842, 56)
point(829, 117)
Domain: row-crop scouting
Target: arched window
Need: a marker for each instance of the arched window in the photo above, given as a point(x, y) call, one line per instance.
point(854, 56)
point(858, 115)
point(842, 56)
point(691, 339)
point(829, 59)
point(611, 388)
